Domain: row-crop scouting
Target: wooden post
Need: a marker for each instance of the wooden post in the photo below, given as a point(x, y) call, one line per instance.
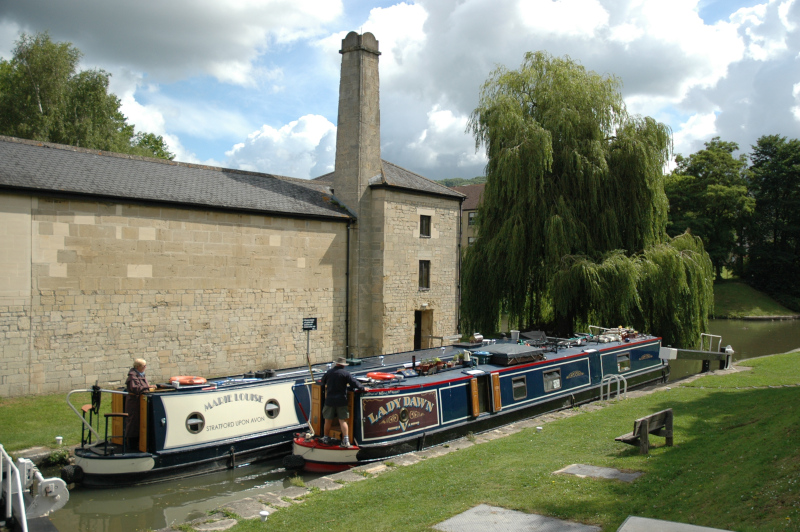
point(644, 436)
point(668, 427)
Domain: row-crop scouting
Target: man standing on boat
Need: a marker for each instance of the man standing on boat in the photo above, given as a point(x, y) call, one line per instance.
point(335, 382)
point(135, 385)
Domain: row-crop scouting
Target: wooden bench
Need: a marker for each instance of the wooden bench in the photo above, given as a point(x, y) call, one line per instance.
point(658, 424)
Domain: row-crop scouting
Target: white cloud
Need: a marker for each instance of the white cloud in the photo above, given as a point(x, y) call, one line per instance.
point(563, 17)
point(691, 133)
point(171, 40)
point(303, 148)
point(445, 138)
point(796, 94)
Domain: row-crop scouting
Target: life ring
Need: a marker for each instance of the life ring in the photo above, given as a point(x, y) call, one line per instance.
point(378, 376)
point(187, 380)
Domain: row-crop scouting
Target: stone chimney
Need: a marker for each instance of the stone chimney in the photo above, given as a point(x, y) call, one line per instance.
point(358, 159)
point(358, 133)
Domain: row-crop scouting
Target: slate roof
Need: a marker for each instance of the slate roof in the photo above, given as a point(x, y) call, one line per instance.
point(474, 195)
point(397, 177)
point(54, 168)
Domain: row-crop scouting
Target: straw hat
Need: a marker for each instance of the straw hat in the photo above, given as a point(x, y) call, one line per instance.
point(341, 361)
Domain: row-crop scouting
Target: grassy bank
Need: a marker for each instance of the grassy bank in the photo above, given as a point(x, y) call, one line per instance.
point(735, 465)
point(32, 421)
point(735, 299)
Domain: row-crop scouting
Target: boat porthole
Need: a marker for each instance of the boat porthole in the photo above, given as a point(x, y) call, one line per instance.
point(195, 422)
point(403, 415)
point(272, 408)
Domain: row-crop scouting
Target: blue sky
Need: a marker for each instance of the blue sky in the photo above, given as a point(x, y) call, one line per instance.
point(253, 84)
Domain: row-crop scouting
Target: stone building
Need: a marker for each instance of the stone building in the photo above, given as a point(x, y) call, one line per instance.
point(210, 271)
point(469, 210)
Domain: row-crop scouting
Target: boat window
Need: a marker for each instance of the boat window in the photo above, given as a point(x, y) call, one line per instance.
point(519, 387)
point(272, 408)
point(552, 380)
point(623, 363)
point(195, 423)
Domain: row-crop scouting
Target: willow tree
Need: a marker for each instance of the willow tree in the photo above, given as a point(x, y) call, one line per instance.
point(574, 212)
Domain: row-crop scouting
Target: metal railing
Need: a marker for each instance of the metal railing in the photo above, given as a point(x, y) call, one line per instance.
point(608, 379)
point(50, 494)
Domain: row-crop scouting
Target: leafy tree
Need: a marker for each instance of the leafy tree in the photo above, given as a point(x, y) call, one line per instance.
point(153, 145)
point(44, 97)
point(460, 181)
point(574, 211)
point(708, 195)
point(775, 231)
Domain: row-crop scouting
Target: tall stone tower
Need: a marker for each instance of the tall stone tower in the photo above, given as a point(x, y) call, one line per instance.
point(358, 159)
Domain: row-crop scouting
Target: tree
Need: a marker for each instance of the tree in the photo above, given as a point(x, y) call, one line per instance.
point(708, 195)
point(153, 145)
point(44, 97)
point(775, 231)
point(574, 212)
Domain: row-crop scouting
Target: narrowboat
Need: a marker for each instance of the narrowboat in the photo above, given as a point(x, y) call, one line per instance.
point(190, 426)
point(410, 405)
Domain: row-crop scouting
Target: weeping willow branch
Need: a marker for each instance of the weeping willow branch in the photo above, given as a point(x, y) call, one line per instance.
point(574, 211)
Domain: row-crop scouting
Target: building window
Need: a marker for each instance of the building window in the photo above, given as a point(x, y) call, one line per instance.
point(472, 215)
point(424, 275)
point(552, 380)
point(470, 240)
point(623, 363)
point(424, 226)
point(519, 387)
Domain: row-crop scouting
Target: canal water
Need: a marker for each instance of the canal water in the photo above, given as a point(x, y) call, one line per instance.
point(159, 505)
point(749, 338)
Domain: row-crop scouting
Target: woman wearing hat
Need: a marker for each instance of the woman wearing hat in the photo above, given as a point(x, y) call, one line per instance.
point(335, 382)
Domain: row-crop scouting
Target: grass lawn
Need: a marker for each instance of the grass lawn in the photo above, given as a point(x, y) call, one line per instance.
point(735, 299)
point(735, 465)
point(31, 421)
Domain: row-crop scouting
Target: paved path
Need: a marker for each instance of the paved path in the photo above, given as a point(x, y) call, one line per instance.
point(253, 506)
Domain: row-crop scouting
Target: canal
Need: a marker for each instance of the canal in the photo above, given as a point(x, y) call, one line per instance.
point(159, 505)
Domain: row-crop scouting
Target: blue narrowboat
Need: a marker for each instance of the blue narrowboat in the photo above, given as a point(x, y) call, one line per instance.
point(408, 406)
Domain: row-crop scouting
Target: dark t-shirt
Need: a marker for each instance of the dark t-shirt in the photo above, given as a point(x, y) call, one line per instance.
point(335, 382)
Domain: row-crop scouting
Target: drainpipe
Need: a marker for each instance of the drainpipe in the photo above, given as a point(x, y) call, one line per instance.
point(347, 295)
point(458, 272)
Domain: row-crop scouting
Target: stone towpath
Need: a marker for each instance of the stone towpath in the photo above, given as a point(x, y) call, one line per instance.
point(251, 507)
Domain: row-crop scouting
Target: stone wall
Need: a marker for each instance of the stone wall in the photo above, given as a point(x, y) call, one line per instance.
point(193, 292)
point(402, 250)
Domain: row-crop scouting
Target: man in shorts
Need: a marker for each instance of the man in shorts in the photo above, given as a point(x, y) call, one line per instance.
point(335, 382)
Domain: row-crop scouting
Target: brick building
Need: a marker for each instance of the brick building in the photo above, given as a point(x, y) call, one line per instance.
point(209, 271)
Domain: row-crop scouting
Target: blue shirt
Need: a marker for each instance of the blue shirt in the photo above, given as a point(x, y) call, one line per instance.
point(335, 382)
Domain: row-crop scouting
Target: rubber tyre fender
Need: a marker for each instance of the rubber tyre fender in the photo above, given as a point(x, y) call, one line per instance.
point(292, 461)
point(72, 474)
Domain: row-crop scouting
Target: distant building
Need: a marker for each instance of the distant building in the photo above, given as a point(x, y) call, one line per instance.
point(469, 210)
point(210, 271)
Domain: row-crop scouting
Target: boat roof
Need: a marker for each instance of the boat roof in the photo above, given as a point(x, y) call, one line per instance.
point(554, 349)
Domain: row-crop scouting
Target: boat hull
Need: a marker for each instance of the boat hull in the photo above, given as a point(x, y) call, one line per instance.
point(191, 431)
point(421, 412)
point(321, 458)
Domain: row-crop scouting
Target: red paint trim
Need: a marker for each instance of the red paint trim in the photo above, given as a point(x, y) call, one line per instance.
point(319, 467)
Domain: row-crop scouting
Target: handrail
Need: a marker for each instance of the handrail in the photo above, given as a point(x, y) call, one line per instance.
point(616, 378)
point(12, 476)
point(50, 493)
point(710, 337)
point(83, 420)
